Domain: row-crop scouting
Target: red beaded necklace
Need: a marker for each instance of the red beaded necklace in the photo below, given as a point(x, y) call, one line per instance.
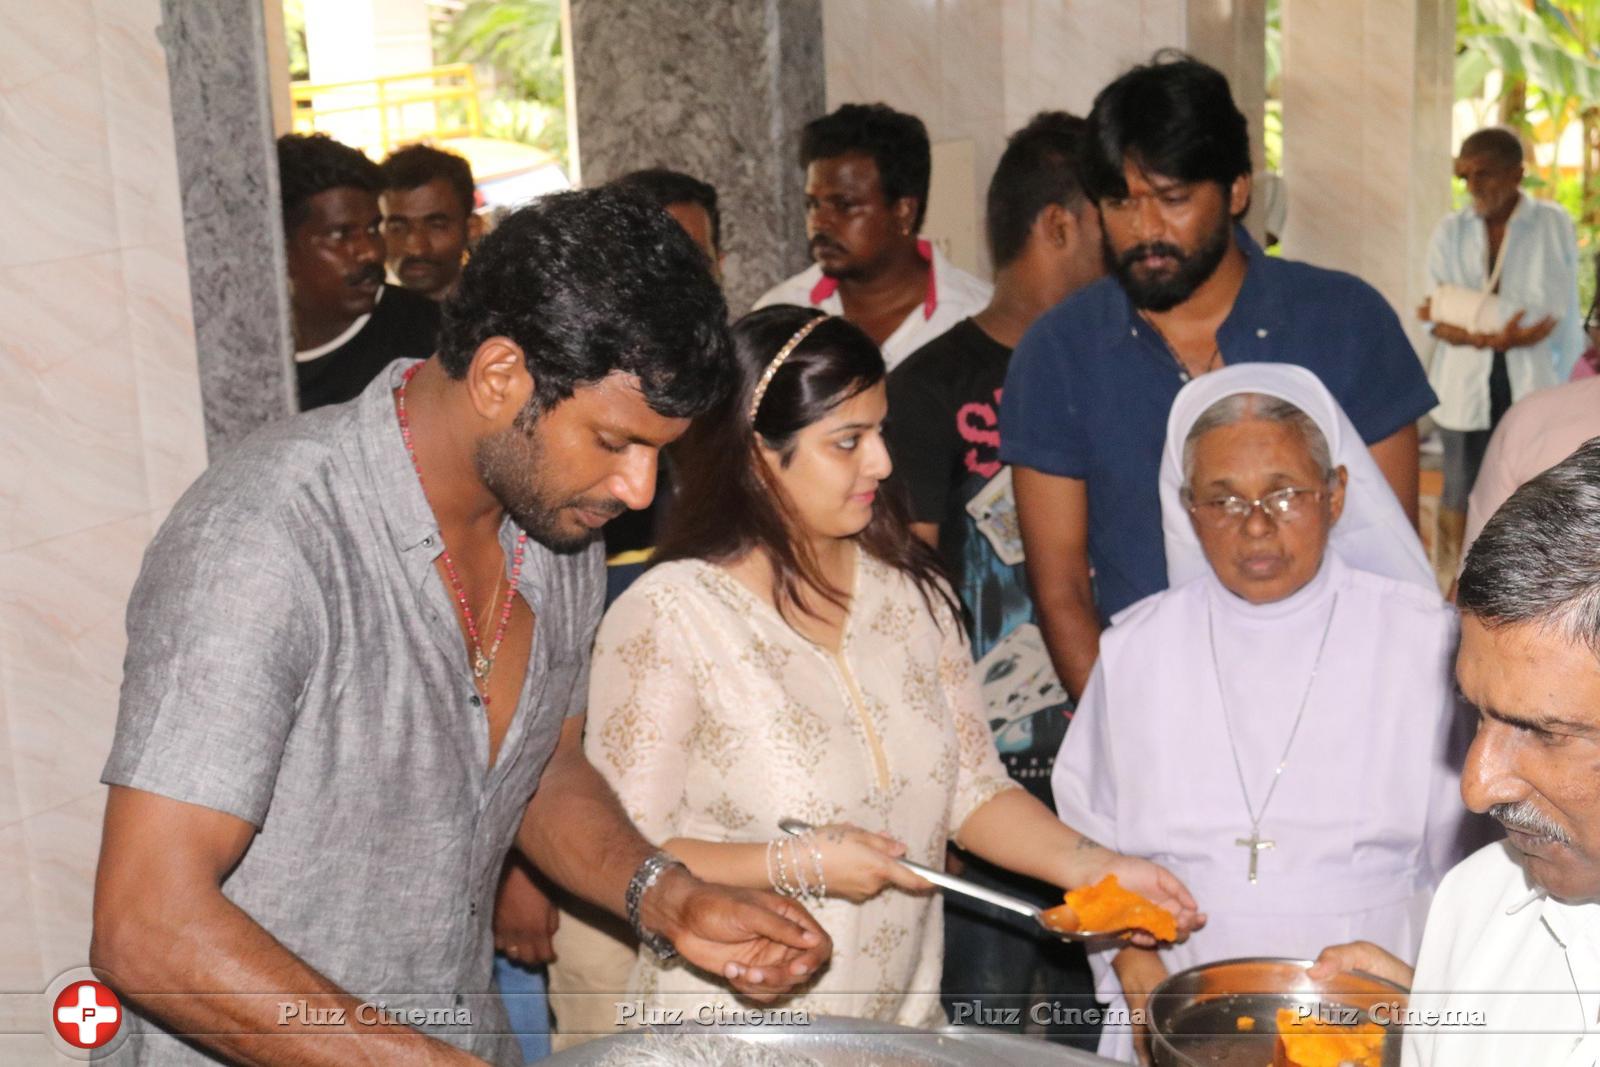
point(482, 661)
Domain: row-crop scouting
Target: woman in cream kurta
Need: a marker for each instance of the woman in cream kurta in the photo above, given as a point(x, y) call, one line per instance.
point(718, 704)
point(714, 719)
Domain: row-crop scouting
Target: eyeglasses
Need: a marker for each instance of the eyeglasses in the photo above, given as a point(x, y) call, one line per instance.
point(1282, 505)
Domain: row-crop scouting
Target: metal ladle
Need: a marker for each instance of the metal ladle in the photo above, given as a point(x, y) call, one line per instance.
point(978, 892)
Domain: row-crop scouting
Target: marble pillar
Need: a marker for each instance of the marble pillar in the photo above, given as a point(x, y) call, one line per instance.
point(718, 89)
point(227, 166)
point(1367, 90)
point(1231, 35)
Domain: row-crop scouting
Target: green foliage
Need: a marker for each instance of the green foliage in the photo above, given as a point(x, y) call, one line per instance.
point(1272, 120)
point(520, 42)
point(1274, 48)
point(1547, 50)
point(294, 33)
point(1549, 46)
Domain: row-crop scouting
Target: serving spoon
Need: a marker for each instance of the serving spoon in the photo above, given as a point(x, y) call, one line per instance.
point(979, 892)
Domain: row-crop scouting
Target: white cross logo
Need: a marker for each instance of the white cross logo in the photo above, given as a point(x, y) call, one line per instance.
point(88, 1015)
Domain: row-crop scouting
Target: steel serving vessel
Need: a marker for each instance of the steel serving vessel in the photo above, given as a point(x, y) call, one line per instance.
point(1194, 1014)
point(835, 1041)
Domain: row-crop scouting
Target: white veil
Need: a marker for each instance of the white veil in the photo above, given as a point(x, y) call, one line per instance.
point(1373, 534)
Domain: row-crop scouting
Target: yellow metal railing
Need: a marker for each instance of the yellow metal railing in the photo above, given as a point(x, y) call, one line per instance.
point(397, 101)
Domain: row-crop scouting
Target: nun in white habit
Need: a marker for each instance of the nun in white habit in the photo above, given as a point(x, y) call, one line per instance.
point(1279, 727)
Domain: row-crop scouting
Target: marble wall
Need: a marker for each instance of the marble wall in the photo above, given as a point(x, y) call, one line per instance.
point(1367, 92)
point(975, 70)
point(101, 430)
point(722, 95)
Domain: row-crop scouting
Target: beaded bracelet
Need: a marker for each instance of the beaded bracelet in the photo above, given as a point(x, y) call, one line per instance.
point(816, 859)
point(787, 874)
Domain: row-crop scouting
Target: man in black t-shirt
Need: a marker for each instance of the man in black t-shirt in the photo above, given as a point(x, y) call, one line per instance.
point(348, 325)
point(944, 435)
point(692, 203)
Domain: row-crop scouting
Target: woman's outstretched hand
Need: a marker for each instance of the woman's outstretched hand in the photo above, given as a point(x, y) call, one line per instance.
point(857, 864)
point(1150, 880)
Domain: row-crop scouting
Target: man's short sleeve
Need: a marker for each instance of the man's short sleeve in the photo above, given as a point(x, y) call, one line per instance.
point(1388, 389)
point(221, 631)
point(590, 606)
point(922, 439)
point(1041, 417)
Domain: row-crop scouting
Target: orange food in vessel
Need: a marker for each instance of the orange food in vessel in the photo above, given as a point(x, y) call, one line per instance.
point(1310, 1042)
point(1106, 906)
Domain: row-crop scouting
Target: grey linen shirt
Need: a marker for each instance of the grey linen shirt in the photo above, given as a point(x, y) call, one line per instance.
point(294, 660)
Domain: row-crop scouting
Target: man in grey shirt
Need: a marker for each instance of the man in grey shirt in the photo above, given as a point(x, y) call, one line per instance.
point(360, 645)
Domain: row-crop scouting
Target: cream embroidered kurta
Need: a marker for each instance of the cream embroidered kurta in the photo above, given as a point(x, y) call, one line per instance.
point(713, 719)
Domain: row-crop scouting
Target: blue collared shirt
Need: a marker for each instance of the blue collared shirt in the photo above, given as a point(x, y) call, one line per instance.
point(1090, 385)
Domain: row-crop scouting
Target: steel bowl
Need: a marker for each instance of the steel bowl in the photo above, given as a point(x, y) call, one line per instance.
point(1194, 1014)
point(835, 1041)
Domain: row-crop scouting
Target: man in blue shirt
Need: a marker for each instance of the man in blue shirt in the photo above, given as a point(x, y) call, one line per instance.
point(1084, 413)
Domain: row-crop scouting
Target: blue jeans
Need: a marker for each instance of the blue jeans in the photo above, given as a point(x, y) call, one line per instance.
point(523, 992)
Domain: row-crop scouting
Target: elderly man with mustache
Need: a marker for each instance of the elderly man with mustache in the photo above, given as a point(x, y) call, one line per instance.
point(1509, 970)
point(348, 324)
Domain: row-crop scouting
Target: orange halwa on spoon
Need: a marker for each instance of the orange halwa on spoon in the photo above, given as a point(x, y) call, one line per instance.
point(1106, 907)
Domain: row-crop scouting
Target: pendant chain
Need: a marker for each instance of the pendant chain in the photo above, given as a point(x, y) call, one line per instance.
point(1305, 699)
point(482, 659)
point(1183, 369)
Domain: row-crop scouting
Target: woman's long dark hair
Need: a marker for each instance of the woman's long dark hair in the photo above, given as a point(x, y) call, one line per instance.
point(727, 503)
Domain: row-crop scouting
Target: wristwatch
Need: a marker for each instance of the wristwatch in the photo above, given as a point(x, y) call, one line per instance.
point(649, 871)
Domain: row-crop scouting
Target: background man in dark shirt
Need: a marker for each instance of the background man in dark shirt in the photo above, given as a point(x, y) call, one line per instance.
point(943, 432)
point(1090, 387)
point(693, 204)
point(686, 198)
point(428, 221)
point(348, 325)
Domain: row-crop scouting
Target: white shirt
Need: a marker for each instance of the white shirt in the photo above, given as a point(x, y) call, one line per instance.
point(1520, 971)
point(1540, 278)
point(309, 354)
point(953, 295)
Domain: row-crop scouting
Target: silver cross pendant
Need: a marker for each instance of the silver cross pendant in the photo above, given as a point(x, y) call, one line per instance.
point(1256, 844)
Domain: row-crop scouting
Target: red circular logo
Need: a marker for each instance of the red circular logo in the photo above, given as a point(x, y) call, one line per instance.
point(86, 1014)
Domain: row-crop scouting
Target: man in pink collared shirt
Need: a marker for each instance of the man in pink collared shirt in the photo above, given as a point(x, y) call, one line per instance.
point(867, 169)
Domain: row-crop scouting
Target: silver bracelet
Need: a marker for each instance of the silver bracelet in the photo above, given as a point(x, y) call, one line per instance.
point(816, 858)
point(802, 885)
point(654, 866)
point(772, 877)
point(784, 883)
